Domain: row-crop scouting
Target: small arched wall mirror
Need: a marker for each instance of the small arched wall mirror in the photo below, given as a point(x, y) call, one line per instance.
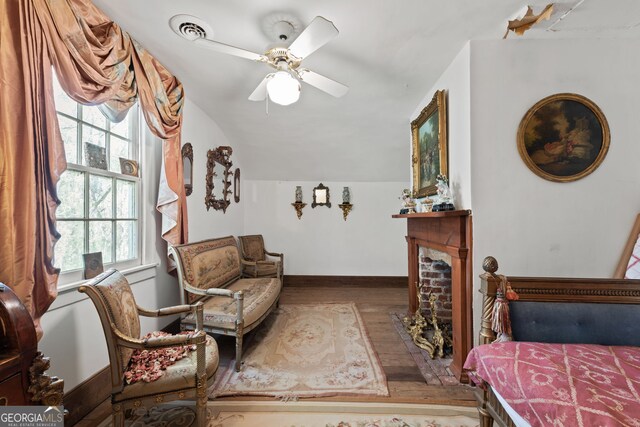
point(236, 185)
point(321, 196)
point(187, 167)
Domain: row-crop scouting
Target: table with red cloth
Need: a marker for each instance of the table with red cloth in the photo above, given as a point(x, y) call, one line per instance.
point(562, 384)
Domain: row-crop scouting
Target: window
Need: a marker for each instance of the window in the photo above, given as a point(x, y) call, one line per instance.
point(99, 210)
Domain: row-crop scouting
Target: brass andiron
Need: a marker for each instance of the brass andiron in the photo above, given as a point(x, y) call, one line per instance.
point(417, 324)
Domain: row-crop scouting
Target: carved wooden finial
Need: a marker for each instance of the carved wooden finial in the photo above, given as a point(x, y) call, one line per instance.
point(490, 265)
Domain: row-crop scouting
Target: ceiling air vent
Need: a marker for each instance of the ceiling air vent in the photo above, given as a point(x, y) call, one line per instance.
point(190, 27)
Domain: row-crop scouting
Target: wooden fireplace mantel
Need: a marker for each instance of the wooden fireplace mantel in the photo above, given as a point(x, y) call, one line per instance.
point(448, 232)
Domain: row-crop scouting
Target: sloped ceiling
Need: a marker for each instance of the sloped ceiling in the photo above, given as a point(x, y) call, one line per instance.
point(389, 53)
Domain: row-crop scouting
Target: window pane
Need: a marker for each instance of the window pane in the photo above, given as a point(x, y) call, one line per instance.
point(119, 148)
point(94, 116)
point(122, 128)
point(126, 240)
point(126, 203)
point(69, 131)
point(71, 195)
point(92, 136)
point(100, 233)
point(100, 197)
point(62, 100)
point(70, 247)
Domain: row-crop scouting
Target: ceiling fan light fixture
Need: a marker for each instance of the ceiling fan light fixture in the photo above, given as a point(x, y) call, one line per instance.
point(283, 88)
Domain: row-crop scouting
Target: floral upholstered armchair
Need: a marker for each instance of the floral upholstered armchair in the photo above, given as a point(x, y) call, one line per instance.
point(254, 258)
point(188, 378)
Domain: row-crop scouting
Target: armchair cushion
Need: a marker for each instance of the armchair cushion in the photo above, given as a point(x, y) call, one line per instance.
point(150, 364)
point(259, 295)
point(176, 377)
point(262, 269)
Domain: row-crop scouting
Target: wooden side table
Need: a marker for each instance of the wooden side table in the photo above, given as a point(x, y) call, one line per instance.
point(18, 347)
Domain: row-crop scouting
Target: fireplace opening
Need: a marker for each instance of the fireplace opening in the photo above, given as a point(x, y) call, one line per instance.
point(435, 279)
point(431, 325)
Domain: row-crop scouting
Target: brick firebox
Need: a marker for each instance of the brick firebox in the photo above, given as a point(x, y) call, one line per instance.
point(435, 278)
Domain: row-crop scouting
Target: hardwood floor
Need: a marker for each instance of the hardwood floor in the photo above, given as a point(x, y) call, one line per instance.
point(406, 383)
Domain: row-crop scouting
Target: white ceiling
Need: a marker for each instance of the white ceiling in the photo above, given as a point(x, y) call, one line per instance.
point(389, 53)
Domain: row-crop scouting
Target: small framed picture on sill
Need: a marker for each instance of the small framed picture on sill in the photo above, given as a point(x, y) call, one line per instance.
point(92, 264)
point(128, 167)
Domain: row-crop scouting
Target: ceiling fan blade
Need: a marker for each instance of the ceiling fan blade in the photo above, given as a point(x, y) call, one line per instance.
point(316, 35)
point(229, 50)
point(323, 83)
point(260, 93)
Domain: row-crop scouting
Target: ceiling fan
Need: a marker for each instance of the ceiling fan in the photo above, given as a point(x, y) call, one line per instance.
point(283, 85)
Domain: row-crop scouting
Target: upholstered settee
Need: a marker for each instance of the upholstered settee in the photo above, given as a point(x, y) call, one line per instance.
point(210, 271)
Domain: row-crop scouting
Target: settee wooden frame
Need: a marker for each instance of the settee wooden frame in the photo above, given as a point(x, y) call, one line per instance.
point(544, 290)
point(240, 328)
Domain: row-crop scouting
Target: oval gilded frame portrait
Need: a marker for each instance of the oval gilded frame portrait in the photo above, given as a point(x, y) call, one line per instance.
point(563, 137)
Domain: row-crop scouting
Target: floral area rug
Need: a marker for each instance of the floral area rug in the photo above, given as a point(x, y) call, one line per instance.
point(312, 419)
point(306, 414)
point(307, 350)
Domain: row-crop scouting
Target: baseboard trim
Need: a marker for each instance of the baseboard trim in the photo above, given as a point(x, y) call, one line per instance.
point(341, 281)
point(86, 396)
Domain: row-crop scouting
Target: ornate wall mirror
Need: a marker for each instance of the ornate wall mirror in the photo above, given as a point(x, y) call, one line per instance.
point(236, 185)
point(218, 156)
point(321, 196)
point(187, 167)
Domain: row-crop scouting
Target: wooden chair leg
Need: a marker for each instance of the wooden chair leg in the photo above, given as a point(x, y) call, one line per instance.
point(201, 411)
point(238, 352)
point(117, 415)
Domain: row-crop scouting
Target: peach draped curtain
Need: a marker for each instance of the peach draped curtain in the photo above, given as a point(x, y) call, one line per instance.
point(96, 63)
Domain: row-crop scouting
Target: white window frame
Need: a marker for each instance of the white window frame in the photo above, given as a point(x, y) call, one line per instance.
point(76, 275)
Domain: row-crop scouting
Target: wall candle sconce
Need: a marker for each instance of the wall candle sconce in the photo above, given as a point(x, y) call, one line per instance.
point(298, 205)
point(346, 205)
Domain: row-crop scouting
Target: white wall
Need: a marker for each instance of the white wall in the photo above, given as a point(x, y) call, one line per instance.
point(368, 243)
point(456, 80)
point(205, 134)
point(73, 337)
point(538, 227)
point(533, 226)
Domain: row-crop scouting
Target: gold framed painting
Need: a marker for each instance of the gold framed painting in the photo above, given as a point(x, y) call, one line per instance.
point(563, 137)
point(429, 143)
